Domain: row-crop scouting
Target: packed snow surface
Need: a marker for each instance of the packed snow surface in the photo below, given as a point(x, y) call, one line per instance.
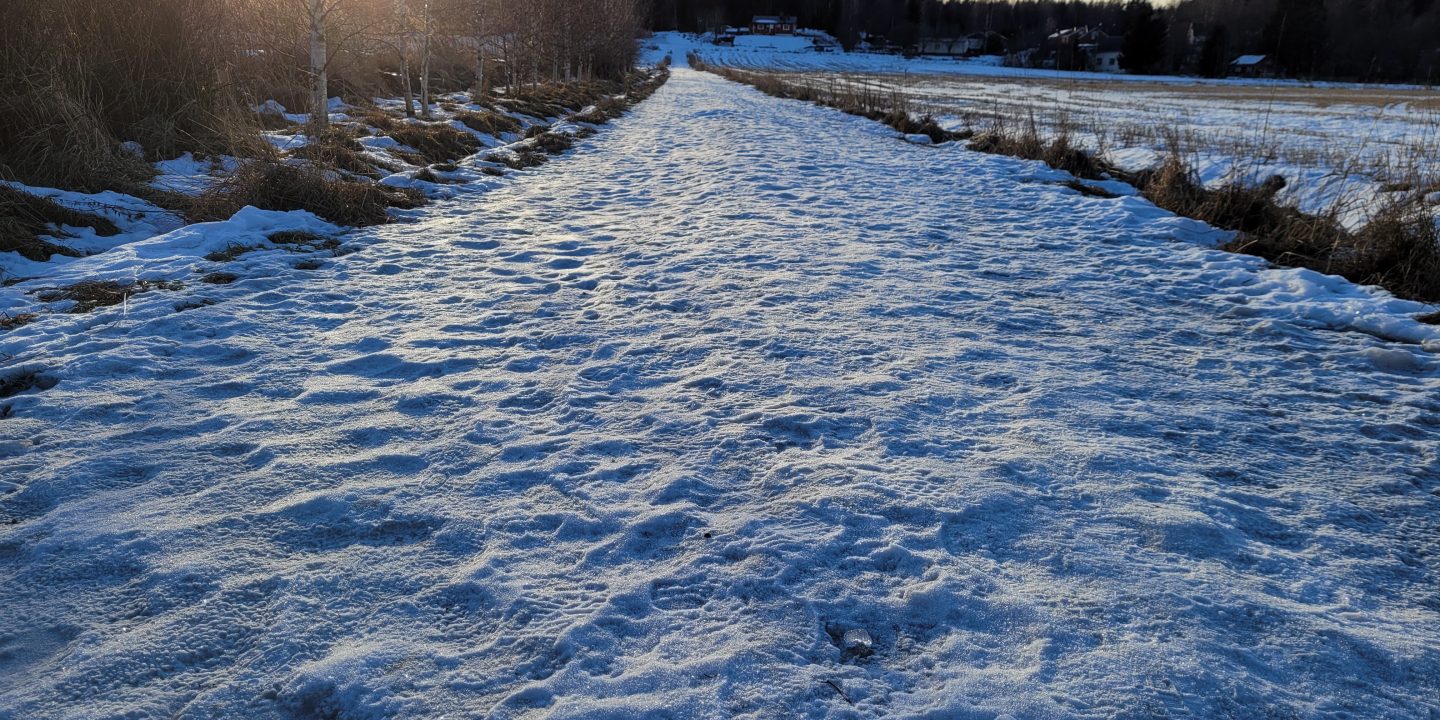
point(747, 408)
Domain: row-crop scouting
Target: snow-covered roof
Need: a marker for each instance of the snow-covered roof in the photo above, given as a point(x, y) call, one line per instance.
point(772, 20)
point(1249, 60)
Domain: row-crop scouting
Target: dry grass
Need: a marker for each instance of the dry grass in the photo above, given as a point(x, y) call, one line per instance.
point(605, 109)
point(92, 294)
point(303, 240)
point(887, 107)
point(518, 159)
point(219, 278)
point(287, 187)
point(554, 143)
point(79, 77)
point(1398, 250)
point(10, 322)
point(273, 120)
point(338, 147)
point(489, 122)
point(433, 142)
point(25, 217)
point(606, 106)
point(14, 382)
point(1263, 123)
point(231, 253)
point(557, 100)
point(1088, 190)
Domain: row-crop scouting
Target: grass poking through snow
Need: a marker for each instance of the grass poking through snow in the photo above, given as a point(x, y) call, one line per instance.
point(92, 294)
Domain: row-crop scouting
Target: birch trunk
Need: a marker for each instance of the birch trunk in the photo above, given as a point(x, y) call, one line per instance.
point(319, 85)
point(405, 81)
point(425, 67)
point(479, 94)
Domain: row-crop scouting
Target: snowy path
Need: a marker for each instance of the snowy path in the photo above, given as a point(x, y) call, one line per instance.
point(625, 437)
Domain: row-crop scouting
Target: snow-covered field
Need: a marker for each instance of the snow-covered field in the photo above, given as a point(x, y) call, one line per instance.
point(647, 431)
point(1340, 147)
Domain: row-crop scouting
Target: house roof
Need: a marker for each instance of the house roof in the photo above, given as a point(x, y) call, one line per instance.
point(772, 20)
point(1067, 32)
point(1249, 60)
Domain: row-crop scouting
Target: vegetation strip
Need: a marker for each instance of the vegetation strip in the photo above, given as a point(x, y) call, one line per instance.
point(323, 187)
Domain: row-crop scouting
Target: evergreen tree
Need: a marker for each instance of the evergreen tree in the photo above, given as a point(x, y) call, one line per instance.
point(1215, 55)
point(1295, 33)
point(1145, 31)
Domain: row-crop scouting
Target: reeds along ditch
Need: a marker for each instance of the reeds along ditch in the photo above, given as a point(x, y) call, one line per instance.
point(1398, 249)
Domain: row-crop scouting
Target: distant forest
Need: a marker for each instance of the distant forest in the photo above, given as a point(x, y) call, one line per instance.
point(1367, 40)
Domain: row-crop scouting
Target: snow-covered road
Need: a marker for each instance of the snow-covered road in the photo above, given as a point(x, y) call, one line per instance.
point(643, 432)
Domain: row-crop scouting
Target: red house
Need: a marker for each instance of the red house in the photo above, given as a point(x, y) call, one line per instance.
point(773, 25)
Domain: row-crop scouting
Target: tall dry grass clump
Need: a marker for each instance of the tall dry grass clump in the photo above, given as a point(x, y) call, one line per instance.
point(274, 186)
point(1399, 249)
point(81, 77)
point(24, 218)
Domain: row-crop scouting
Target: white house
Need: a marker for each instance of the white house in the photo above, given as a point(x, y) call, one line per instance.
point(1107, 54)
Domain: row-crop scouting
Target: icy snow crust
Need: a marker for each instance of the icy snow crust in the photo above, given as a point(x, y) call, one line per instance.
point(646, 432)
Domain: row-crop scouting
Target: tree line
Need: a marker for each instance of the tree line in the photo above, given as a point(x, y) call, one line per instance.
point(80, 77)
point(1366, 40)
